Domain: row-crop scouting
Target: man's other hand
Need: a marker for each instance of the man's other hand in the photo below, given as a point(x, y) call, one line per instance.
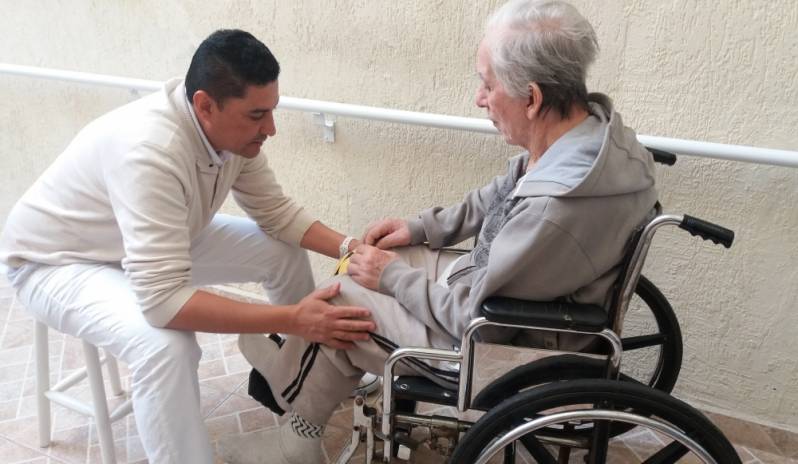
point(387, 233)
point(367, 263)
point(336, 326)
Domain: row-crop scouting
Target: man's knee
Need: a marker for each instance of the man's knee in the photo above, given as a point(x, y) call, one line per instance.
point(165, 349)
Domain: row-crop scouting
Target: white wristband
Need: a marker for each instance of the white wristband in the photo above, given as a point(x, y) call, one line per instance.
point(343, 248)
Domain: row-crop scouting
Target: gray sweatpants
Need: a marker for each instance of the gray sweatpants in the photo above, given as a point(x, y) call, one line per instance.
point(312, 379)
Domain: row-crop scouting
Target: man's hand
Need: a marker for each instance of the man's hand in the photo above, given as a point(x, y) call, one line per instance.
point(367, 263)
point(316, 320)
point(387, 233)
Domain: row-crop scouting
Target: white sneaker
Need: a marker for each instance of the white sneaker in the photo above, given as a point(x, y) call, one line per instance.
point(368, 384)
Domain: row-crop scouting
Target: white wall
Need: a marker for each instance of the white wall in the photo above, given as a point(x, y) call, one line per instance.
point(715, 71)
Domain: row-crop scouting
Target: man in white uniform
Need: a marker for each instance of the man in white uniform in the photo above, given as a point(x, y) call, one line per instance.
point(112, 241)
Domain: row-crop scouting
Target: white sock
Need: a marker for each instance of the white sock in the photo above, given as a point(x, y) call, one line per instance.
point(300, 440)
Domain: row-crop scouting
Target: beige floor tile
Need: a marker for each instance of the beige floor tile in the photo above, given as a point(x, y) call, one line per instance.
point(211, 351)
point(118, 429)
point(17, 334)
point(23, 431)
point(228, 383)
point(342, 418)
point(770, 458)
point(745, 456)
point(230, 347)
point(744, 433)
point(204, 338)
point(233, 404)
point(13, 453)
point(256, 419)
point(10, 391)
point(16, 355)
point(70, 445)
point(335, 440)
point(786, 442)
point(223, 425)
point(120, 450)
point(211, 369)
point(8, 410)
point(237, 364)
point(210, 399)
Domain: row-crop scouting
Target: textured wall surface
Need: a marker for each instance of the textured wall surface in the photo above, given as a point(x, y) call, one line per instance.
point(716, 71)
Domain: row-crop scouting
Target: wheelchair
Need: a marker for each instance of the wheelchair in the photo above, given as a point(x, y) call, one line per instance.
point(564, 407)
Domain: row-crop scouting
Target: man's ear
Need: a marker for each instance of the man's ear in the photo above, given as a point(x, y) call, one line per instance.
point(204, 105)
point(535, 100)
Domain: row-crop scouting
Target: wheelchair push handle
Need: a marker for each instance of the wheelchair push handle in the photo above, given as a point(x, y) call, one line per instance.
point(662, 157)
point(708, 231)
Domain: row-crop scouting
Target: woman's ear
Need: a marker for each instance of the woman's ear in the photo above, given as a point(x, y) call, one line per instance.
point(535, 100)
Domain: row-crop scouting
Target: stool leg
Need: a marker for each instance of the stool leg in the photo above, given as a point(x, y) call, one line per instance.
point(42, 383)
point(103, 422)
point(112, 367)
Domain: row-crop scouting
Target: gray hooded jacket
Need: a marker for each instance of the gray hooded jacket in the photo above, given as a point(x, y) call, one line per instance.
point(557, 231)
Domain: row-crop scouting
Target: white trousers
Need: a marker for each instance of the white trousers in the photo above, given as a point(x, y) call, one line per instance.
point(94, 302)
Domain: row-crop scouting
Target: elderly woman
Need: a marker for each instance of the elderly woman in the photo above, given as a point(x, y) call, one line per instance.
point(553, 226)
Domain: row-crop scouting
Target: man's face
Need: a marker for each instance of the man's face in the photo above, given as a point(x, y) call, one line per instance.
point(241, 125)
point(508, 114)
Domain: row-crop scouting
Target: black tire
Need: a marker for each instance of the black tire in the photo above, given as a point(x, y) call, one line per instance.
point(658, 346)
point(666, 339)
point(609, 394)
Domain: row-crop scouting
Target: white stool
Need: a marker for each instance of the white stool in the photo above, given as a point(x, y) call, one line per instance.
point(99, 407)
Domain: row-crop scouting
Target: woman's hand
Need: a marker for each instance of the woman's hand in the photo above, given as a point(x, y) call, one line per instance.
point(367, 263)
point(316, 320)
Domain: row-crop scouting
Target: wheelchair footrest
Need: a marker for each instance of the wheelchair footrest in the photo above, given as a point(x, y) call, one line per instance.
point(549, 314)
point(424, 390)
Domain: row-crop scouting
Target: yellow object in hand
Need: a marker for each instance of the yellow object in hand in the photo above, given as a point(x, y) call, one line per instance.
point(343, 264)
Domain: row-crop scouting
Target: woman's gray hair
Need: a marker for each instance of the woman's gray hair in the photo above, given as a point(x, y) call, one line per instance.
point(543, 41)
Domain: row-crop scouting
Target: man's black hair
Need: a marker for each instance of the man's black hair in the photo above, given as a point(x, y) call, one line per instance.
point(227, 62)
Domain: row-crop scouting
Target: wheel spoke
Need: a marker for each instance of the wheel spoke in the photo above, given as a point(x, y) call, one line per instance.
point(668, 455)
point(537, 450)
point(643, 341)
point(599, 443)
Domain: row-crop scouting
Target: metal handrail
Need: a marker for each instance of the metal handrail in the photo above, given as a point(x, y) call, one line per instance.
point(748, 154)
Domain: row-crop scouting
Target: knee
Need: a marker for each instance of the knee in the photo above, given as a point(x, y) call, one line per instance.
point(349, 290)
point(165, 349)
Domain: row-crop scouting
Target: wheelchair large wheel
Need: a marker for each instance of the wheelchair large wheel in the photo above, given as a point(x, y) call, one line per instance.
point(652, 339)
point(652, 354)
point(685, 435)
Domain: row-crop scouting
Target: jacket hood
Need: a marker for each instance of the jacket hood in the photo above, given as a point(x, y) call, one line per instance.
point(599, 157)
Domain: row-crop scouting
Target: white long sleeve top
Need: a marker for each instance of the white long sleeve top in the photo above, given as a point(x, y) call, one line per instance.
point(134, 187)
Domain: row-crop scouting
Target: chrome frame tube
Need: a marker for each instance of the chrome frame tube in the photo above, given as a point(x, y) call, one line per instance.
point(595, 414)
point(467, 352)
point(433, 421)
point(637, 261)
point(433, 354)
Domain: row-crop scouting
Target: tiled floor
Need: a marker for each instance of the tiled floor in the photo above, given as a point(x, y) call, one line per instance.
point(226, 406)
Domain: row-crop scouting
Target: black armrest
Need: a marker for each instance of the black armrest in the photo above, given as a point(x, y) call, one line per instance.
point(551, 314)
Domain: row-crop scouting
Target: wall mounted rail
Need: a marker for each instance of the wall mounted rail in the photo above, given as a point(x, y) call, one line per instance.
point(326, 112)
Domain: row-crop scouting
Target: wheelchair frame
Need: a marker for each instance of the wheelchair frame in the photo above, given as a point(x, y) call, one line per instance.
point(570, 321)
